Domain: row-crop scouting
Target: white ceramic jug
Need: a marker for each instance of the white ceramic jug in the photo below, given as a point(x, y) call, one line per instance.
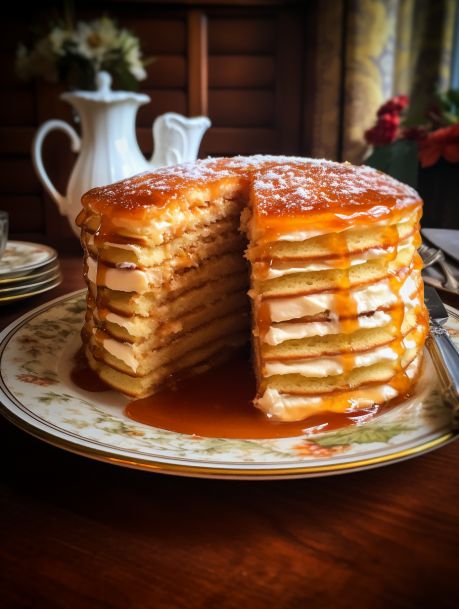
point(108, 149)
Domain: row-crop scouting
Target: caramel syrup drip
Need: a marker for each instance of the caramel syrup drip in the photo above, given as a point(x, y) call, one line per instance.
point(99, 336)
point(261, 264)
point(263, 319)
point(218, 404)
point(274, 223)
point(106, 232)
point(82, 375)
point(396, 281)
point(345, 307)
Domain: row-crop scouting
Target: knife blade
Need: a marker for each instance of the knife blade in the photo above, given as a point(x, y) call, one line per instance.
point(435, 306)
point(444, 353)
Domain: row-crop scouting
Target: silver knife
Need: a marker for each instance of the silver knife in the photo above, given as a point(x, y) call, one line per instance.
point(444, 353)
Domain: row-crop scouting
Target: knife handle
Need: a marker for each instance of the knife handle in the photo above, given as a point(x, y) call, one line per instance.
point(445, 356)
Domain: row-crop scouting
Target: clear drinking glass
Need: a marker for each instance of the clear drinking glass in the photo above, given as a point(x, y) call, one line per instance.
point(3, 231)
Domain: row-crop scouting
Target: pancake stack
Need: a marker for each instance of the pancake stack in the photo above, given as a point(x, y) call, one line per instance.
point(167, 279)
point(337, 315)
point(336, 284)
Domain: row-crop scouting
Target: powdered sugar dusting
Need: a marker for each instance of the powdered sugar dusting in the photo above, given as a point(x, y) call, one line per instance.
point(282, 186)
point(300, 186)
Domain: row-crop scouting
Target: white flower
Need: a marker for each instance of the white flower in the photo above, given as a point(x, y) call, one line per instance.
point(138, 71)
point(107, 32)
point(130, 49)
point(57, 39)
point(100, 43)
point(96, 39)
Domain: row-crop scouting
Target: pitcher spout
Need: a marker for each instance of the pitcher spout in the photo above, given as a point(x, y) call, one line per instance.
point(177, 138)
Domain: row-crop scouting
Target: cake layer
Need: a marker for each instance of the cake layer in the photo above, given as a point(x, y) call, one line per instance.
point(137, 328)
point(178, 283)
point(154, 225)
point(297, 384)
point(139, 359)
point(169, 305)
point(188, 244)
point(332, 344)
point(320, 281)
point(288, 407)
point(281, 332)
point(337, 245)
point(366, 299)
point(274, 268)
point(139, 280)
point(329, 364)
point(195, 361)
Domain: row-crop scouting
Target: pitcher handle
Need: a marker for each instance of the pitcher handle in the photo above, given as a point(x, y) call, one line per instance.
point(37, 158)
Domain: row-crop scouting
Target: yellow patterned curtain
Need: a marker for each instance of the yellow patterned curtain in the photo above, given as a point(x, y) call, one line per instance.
point(386, 48)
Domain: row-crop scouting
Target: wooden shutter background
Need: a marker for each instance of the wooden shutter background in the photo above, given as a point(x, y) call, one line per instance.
point(243, 63)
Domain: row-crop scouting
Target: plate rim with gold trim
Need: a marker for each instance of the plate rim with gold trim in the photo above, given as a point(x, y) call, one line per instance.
point(40, 399)
point(24, 268)
point(50, 284)
point(15, 289)
point(48, 269)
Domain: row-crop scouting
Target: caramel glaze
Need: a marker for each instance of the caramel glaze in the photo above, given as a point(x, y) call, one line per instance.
point(218, 404)
point(330, 204)
point(290, 194)
point(83, 377)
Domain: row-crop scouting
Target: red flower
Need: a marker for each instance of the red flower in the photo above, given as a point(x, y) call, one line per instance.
point(414, 133)
point(35, 380)
point(394, 105)
point(311, 449)
point(440, 143)
point(385, 130)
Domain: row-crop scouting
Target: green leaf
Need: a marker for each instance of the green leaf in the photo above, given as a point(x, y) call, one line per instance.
point(76, 307)
point(361, 435)
point(450, 118)
point(453, 96)
point(380, 158)
point(123, 77)
point(399, 160)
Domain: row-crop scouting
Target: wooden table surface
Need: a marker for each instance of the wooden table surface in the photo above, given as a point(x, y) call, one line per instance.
point(76, 533)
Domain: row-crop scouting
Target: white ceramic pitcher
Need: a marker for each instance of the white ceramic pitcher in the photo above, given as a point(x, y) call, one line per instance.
point(108, 149)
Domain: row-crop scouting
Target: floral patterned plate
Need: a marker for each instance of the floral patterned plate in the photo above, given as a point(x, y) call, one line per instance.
point(28, 291)
point(22, 256)
point(43, 272)
point(19, 288)
point(38, 395)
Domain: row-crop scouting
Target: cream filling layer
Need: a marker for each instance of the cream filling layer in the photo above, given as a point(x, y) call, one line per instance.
point(285, 407)
point(328, 366)
point(304, 235)
point(121, 246)
point(371, 254)
point(367, 299)
point(125, 280)
point(292, 331)
point(133, 328)
point(122, 351)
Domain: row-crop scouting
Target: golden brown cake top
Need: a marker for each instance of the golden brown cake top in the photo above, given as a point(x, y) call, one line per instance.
point(291, 191)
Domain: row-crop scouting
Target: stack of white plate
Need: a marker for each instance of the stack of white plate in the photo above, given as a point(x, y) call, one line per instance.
point(27, 269)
